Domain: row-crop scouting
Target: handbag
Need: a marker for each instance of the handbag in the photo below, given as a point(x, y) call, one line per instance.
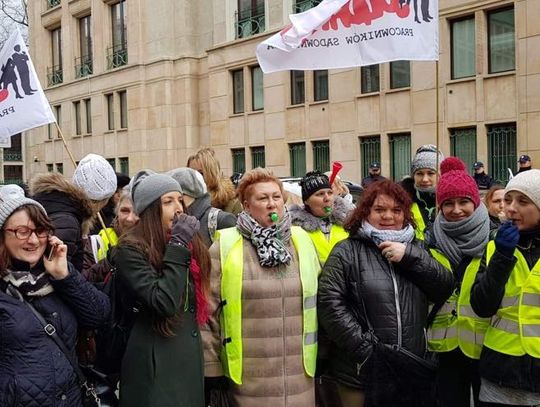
point(89, 396)
point(397, 377)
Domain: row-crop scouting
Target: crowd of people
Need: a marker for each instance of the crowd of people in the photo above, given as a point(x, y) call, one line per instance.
point(187, 288)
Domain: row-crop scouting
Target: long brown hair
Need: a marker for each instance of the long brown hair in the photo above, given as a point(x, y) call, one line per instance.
point(383, 187)
point(148, 237)
point(40, 220)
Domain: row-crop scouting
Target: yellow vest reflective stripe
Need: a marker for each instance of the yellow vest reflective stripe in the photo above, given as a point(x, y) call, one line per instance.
point(323, 246)
point(515, 329)
point(456, 324)
point(419, 220)
point(102, 251)
point(232, 265)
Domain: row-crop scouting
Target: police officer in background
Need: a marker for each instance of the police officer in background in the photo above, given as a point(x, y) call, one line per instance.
point(374, 174)
point(524, 163)
point(483, 180)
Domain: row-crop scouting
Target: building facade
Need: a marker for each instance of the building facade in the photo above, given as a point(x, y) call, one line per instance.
point(146, 83)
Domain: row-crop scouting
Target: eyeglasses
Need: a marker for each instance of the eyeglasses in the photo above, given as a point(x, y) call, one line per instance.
point(24, 232)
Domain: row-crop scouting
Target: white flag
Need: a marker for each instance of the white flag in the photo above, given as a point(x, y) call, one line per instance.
point(23, 104)
point(348, 33)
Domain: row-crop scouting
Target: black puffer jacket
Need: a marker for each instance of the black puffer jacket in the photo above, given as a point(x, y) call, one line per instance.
point(395, 296)
point(33, 370)
point(69, 209)
point(520, 372)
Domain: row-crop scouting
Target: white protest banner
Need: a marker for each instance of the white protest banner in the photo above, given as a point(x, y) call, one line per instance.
point(349, 33)
point(23, 104)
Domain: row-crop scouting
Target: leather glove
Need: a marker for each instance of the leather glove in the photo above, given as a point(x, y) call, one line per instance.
point(507, 238)
point(183, 229)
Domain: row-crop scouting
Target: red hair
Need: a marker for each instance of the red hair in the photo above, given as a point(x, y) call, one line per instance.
point(383, 187)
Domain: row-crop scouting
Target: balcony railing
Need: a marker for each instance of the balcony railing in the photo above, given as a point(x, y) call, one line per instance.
point(249, 22)
point(9, 181)
point(303, 5)
point(117, 56)
point(12, 155)
point(84, 66)
point(55, 75)
point(52, 3)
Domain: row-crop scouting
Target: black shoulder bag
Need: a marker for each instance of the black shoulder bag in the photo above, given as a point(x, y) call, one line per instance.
point(89, 396)
point(398, 377)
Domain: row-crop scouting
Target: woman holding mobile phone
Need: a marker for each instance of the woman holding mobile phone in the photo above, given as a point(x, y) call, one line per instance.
point(33, 369)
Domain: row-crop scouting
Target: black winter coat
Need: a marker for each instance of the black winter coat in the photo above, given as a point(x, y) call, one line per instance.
point(357, 281)
point(33, 370)
point(68, 208)
point(520, 372)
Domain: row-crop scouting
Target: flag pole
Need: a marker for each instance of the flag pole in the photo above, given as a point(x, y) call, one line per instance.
point(100, 218)
point(437, 127)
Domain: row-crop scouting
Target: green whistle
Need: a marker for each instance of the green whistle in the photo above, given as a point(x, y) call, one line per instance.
point(274, 217)
point(327, 209)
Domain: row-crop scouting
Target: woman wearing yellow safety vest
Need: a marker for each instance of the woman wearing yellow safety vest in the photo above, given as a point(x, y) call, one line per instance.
point(421, 187)
point(374, 294)
point(507, 290)
point(458, 239)
point(322, 215)
point(264, 284)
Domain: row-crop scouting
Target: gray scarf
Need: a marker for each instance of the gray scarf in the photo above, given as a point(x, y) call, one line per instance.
point(270, 242)
point(405, 235)
point(467, 237)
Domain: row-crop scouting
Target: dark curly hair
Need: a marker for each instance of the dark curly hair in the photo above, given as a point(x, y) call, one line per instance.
point(383, 187)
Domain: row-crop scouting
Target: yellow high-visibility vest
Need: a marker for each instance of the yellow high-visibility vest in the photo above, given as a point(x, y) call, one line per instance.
point(102, 251)
point(419, 220)
point(232, 266)
point(456, 324)
point(323, 246)
point(515, 328)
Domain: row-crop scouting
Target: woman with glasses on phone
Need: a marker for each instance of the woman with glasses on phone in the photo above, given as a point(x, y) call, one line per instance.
point(34, 270)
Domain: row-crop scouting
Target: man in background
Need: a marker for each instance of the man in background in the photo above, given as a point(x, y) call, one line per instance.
point(483, 180)
point(524, 163)
point(374, 174)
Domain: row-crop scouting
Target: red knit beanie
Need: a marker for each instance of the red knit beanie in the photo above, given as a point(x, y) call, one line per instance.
point(456, 183)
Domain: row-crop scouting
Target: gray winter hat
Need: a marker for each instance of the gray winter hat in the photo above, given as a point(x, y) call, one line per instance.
point(11, 199)
point(426, 157)
point(190, 180)
point(147, 186)
point(528, 183)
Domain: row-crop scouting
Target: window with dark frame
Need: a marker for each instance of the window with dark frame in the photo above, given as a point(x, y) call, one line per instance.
point(501, 41)
point(124, 165)
point(122, 97)
point(55, 73)
point(84, 64)
point(249, 18)
point(110, 111)
point(238, 91)
point(321, 155)
point(369, 79)
point(502, 150)
point(400, 74)
point(320, 85)
point(257, 88)
point(298, 91)
point(60, 168)
point(463, 43)
point(88, 113)
point(239, 160)
point(297, 157)
point(400, 155)
point(77, 113)
point(370, 151)
point(117, 53)
point(258, 158)
point(463, 145)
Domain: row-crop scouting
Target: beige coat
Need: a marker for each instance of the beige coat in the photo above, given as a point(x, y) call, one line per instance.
point(273, 372)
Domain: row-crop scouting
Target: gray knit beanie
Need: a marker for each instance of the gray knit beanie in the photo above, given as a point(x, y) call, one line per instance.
point(528, 183)
point(190, 180)
point(12, 199)
point(426, 157)
point(96, 177)
point(147, 186)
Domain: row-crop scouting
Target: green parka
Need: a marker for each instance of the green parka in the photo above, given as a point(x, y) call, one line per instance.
point(159, 371)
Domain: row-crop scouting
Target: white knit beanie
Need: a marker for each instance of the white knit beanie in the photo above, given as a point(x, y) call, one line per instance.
point(96, 177)
point(12, 198)
point(528, 183)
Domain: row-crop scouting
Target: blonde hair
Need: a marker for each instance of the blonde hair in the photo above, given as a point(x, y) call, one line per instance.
point(255, 176)
point(220, 188)
point(341, 188)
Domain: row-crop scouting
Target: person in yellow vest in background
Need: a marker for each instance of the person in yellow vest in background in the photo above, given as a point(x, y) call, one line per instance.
point(458, 239)
point(421, 187)
point(322, 214)
point(507, 290)
point(264, 285)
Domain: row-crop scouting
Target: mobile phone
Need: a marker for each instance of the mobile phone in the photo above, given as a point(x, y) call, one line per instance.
point(50, 251)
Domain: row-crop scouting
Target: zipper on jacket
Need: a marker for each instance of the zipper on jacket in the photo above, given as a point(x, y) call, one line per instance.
point(396, 298)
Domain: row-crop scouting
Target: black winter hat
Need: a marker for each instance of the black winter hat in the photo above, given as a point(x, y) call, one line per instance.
point(312, 182)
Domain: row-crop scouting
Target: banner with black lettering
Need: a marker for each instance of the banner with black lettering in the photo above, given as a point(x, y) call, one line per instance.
point(23, 104)
point(349, 33)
